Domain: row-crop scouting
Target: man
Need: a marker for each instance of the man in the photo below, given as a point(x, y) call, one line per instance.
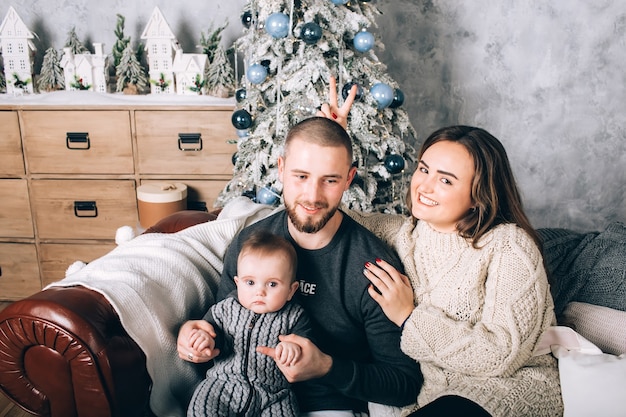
point(357, 358)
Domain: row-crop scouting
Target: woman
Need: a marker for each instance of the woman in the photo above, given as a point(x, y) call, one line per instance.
point(475, 298)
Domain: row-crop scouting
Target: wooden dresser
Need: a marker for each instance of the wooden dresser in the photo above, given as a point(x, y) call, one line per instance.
point(70, 163)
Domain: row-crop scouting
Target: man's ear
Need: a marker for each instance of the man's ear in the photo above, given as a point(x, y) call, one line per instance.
point(281, 168)
point(351, 175)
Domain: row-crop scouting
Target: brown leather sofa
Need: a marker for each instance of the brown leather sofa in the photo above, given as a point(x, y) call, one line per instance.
point(64, 352)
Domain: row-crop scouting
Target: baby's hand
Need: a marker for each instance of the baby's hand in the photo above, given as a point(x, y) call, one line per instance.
point(201, 340)
point(287, 353)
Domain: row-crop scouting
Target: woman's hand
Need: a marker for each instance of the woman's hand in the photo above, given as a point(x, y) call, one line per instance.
point(331, 110)
point(391, 289)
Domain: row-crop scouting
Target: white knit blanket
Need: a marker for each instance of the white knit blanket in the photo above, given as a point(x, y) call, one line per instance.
point(157, 281)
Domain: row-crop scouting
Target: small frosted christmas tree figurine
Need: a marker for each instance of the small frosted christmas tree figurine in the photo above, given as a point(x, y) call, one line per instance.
point(121, 41)
point(74, 44)
point(131, 77)
point(290, 51)
point(220, 77)
point(210, 43)
point(3, 82)
point(51, 77)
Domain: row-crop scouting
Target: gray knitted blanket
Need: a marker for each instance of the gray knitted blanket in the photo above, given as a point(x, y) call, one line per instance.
point(586, 267)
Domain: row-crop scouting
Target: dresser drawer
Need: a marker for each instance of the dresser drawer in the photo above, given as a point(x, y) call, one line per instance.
point(11, 160)
point(15, 217)
point(185, 142)
point(55, 258)
point(19, 271)
point(78, 142)
point(83, 209)
point(202, 194)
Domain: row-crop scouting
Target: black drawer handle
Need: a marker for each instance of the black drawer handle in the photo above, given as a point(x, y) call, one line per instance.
point(85, 209)
point(190, 141)
point(77, 140)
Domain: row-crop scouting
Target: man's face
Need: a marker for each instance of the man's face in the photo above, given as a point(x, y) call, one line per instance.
point(314, 178)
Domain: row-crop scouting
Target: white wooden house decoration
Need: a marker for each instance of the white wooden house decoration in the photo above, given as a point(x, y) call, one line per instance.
point(87, 69)
point(188, 68)
point(18, 51)
point(161, 47)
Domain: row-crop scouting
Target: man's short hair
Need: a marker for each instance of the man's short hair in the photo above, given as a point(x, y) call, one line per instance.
point(321, 131)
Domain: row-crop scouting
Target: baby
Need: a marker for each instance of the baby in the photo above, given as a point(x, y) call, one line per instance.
point(242, 381)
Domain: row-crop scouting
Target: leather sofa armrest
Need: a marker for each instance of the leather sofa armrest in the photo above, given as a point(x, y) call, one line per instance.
point(64, 352)
point(181, 220)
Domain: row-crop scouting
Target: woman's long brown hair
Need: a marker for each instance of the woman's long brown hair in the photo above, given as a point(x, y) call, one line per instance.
point(494, 189)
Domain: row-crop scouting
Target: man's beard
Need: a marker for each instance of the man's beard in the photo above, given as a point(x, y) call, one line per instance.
point(310, 225)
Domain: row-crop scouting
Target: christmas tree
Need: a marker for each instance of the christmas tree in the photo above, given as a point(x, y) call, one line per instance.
point(290, 50)
point(3, 82)
point(75, 45)
point(131, 77)
point(211, 41)
point(51, 76)
point(220, 78)
point(121, 41)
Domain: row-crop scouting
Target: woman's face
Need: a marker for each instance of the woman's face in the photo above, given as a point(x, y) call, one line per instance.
point(441, 186)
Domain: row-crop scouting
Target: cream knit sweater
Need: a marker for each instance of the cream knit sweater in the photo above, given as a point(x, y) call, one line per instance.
point(478, 316)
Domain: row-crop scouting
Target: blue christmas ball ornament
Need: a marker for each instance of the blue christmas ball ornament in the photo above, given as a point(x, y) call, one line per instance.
point(394, 164)
point(241, 119)
point(363, 41)
point(240, 95)
point(250, 194)
point(277, 25)
point(242, 133)
point(267, 195)
point(246, 19)
point(383, 94)
point(340, 1)
point(348, 86)
point(234, 158)
point(310, 33)
point(398, 98)
point(256, 73)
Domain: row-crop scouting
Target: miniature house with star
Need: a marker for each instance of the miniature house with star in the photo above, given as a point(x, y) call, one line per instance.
point(161, 46)
point(18, 51)
point(189, 71)
point(86, 71)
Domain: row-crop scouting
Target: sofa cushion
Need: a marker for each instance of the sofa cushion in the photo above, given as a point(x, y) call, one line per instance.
point(586, 267)
point(603, 326)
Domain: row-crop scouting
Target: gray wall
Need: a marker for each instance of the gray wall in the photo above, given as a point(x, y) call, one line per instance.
point(547, 78)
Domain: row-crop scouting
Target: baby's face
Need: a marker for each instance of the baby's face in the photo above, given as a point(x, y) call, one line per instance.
point(264, 282)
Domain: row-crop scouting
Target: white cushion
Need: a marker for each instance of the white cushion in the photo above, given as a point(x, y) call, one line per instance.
point(605, 327)
point(592, 384)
